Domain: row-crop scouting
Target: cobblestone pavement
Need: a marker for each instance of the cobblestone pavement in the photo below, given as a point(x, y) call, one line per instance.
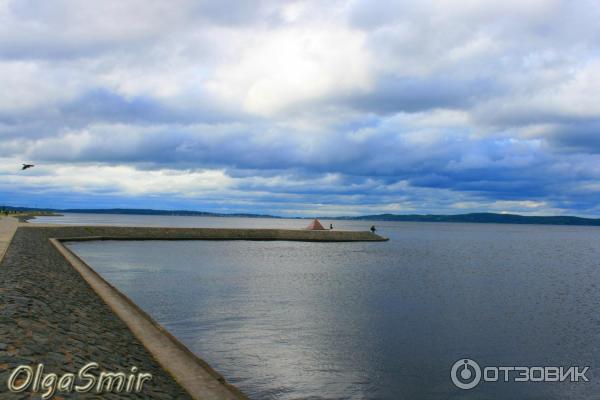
point(49, 315)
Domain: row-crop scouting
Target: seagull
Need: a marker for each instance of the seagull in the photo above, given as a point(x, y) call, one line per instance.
point(25, 166)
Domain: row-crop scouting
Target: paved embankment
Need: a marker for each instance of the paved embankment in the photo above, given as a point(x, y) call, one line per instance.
point(146, 233)
point(50, 315)
point(8, 226)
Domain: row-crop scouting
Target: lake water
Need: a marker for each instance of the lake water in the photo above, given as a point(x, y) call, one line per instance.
point(291, 320)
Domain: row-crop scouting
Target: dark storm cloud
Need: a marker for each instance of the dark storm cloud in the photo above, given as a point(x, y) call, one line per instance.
point(393, 95)
point(101, 106)
point(490, 167)
point(577, 136)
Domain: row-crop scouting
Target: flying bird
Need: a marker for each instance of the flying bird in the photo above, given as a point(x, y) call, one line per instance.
point(25, 166)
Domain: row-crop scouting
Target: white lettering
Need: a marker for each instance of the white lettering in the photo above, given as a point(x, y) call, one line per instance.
point(84, 376)
point(15, 387)
point(490, 378)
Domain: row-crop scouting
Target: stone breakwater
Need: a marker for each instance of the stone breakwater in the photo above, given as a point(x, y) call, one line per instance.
point(142, 233)
point(8, 226)
point(50, 315)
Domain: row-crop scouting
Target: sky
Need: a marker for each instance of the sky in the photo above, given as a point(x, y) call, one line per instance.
point(302, 108)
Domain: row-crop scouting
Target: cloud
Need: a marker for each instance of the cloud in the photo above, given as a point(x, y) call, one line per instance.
point(277, 69)
point(394, 95)
point(300, 106)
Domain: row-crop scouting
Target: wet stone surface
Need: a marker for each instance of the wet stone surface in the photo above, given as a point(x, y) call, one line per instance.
point(49, 315)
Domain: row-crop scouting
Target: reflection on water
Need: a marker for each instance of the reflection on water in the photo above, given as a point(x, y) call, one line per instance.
point(286, 320)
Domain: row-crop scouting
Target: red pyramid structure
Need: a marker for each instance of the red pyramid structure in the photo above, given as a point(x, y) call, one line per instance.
point(315, 225)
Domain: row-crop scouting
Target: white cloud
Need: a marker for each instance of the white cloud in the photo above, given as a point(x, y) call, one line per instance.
point(29, 85)
point(117, 180)
point(277, 69)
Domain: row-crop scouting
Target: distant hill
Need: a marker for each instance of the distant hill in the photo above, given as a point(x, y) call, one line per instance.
point(492, 218)
point(141, 211)
point(489, 218)
point(133, 211)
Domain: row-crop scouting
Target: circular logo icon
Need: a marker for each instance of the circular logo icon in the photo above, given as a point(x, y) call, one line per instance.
point(465, 373)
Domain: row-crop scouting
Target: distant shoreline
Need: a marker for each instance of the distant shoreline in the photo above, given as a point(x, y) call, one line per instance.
point(483, 218)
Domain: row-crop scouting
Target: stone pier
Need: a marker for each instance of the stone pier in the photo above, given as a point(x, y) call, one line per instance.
point(56, 311)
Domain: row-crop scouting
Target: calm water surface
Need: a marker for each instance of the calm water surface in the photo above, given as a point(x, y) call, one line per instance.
point(285, 320)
